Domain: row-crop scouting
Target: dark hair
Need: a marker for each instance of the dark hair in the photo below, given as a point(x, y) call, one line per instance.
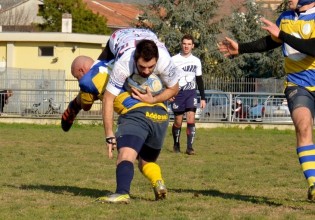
point(146, 49)
point(188, 37)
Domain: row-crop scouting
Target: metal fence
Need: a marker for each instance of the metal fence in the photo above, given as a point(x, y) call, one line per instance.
point(221, 106)
point(46, 93)
point(226, 84)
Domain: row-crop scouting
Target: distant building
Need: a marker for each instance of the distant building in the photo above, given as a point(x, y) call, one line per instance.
point(18, 15)
point(54, 51)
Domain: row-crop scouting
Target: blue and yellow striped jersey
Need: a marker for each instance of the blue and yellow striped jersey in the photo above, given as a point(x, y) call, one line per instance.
point(300, 68)
point(124, 103)
point(94, 82)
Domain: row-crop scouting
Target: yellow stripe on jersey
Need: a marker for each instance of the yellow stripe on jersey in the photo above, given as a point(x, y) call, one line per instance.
point(100, 82)
point(124, 103)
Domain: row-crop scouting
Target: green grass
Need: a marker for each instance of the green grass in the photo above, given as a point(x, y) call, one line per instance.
point(236, 174)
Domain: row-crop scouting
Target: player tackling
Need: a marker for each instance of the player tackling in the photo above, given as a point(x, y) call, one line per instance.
point(141, 130)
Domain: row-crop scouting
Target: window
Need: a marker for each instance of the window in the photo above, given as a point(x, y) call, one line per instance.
point(47, 51)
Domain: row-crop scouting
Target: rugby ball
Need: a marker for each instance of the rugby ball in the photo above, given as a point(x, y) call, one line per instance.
point(140, 83)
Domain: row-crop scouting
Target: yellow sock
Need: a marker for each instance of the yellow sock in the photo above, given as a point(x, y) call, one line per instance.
point(152, 171)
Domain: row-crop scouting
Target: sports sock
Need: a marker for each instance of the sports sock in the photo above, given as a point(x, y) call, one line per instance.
point(190, 131)
point(75, 106)
point(152, 171)
point(307, 160)
point(176, 135)
point(71, 112)
point(124, 176)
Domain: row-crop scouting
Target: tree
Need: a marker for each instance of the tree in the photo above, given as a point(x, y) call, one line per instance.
point(83, 20)
point(245, 27)
point(171, 19)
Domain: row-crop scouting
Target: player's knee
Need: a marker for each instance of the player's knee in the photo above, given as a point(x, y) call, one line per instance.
point(86, 107)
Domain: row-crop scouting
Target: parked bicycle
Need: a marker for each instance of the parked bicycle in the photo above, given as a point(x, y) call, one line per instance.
point(34, 111)
point(53, 108)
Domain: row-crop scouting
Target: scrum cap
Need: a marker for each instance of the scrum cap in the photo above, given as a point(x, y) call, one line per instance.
point(304, 2)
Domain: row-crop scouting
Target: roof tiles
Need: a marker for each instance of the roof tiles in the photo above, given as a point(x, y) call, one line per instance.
point(118, 15)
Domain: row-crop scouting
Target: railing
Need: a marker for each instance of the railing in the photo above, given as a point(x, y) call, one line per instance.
point(221, 106)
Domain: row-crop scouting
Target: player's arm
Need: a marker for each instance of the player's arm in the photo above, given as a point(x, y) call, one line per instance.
point(108, 120)
point(201, 89)
point(167, 93)
point(302, 45)
point(113, 88)
point(260, 45)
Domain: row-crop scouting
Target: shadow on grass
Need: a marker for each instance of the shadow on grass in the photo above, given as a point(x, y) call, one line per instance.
point(73, 190)
point(76, 191)
point(216, 193)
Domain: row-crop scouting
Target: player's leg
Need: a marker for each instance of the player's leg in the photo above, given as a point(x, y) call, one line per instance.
point(191, 106)
point(176, 130)
point(106, 53)
point(190, 130)
point(152, 171)
point(82, 101)
point(130, 136)
point(301, 105)
point(178, 108)
point(70, 113)
point(151, 151)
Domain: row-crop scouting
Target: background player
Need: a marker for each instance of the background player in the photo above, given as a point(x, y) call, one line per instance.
point(186, 99)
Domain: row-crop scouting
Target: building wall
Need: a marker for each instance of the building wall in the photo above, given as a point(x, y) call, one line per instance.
point(21, 50)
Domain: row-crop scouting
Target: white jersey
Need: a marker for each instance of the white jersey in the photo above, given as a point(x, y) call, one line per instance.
point(192, 68)
point(123, 44)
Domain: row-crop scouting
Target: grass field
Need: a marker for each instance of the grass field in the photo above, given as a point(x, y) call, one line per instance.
point(236, 174)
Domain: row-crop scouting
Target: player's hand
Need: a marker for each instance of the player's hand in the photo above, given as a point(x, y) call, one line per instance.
point(111, 146)
point(202, 104)
point(147, 97)
point(228, 47)
point(171, 99)
point(272, 28)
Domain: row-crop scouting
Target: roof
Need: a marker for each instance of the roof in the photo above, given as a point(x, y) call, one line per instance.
point(132, 1)
point(118, 15)
point(9, 4)
point(6, 5)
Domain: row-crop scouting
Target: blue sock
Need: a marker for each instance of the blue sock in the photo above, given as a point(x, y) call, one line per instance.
point(124, 176)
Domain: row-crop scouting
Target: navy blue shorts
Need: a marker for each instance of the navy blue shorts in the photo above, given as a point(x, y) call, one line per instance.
point(185, 100)
point(143, 129)
point(300, 97)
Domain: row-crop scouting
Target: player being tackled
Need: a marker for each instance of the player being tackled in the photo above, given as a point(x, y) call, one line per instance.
point(92, 77)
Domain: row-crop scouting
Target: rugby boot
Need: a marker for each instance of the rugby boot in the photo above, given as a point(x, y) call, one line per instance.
point(160, 190)
point(311, 193)
point(67, 119)
point(190, 151)
point(114, 198)
point(176, 149)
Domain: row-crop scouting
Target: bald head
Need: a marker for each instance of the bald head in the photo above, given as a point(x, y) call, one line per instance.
point(80, 66)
